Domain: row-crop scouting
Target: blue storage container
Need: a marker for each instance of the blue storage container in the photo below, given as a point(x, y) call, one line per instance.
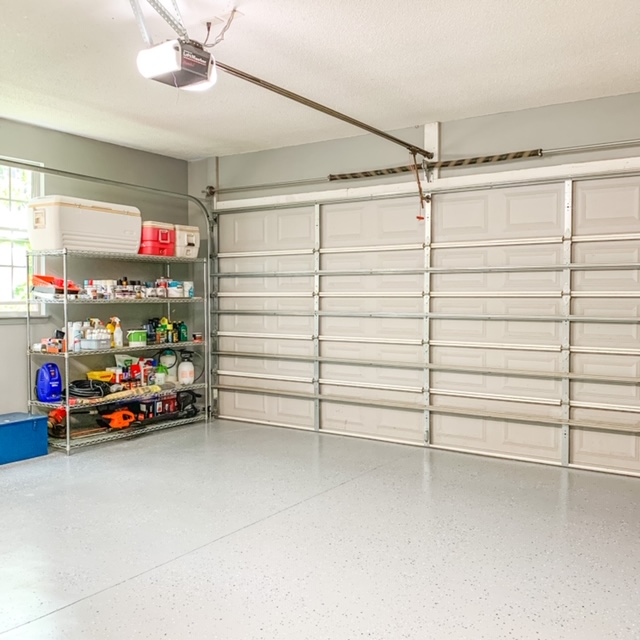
point(22, 436)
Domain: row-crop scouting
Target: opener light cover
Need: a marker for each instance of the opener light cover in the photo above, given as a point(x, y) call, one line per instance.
point(181, 64)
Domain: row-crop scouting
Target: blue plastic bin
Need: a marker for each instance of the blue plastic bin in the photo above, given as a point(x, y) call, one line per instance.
point(22, 436)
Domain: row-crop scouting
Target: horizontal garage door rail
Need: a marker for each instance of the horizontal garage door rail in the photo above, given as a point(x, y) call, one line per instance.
point(438, 409)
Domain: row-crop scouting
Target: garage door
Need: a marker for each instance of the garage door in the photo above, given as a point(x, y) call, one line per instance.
point(505, 323)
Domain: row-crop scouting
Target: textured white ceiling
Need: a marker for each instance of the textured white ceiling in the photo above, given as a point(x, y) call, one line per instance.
point(70, 65)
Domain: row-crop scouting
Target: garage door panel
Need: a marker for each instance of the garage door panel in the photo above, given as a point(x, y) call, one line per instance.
point(266, 285)
point(372, 352)
point(382, 328)
point(497, 306)
point(267, 230)
point(621, 394)
point(373, 284)
point(498, 256)
point(255, 264)
point(405, 259)
point(267, 324)
point(502, 281)
point(267, 367)
point(496, 384)
point(606, 416)
point(498, 437)
point(606, 307)
point(267, 304)
point(372, 375)
point(262, 408)
point(361, 224)
point(611, 280)
point(516, 212)
point(594, 334)
point(520, 405)
point(373, 422)
point(267, 346)
point(496, 332)
point(497, 358)
point(239, 380)
point(347, 305)
point(603, 205)
point(619, 451)
point(460, 217)
point(532, 211)
point(625, 366)
point(454, 380)
point(372, 395)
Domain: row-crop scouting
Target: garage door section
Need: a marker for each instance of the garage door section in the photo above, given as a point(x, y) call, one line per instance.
point(495, 338)
point(266, 322)
point(506, 323)
point(605, 342)
point(372, 313)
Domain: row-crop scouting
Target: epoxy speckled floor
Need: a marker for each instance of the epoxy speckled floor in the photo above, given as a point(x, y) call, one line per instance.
point(243, 532)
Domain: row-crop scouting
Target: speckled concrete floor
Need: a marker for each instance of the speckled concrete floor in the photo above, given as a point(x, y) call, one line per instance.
point(239, 532)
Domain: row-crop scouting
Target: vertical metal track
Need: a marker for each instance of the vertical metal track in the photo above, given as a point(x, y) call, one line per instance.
point(565, 326)
point(65, 326)
point(316, 317)
point(213, 327)
point(426, 332)
point(30, 379)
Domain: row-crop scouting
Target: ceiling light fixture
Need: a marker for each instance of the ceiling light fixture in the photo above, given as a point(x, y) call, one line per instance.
point(180, 63)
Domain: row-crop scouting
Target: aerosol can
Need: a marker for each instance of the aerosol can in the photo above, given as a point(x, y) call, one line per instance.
point(186, 370)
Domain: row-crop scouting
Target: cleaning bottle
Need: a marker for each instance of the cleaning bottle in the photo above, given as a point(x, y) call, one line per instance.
point(118, 337)
point(169, 359)
point(186, 370)
point(111, 327)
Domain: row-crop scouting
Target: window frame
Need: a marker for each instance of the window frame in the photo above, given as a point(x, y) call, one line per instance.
point(17, 309)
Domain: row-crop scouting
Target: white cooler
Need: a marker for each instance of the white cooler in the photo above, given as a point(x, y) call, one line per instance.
point(61, 222)
point(187, 241)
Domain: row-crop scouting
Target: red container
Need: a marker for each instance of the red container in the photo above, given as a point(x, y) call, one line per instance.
point(158, 239)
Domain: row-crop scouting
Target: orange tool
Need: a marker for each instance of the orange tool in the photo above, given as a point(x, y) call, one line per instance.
point(120, 419)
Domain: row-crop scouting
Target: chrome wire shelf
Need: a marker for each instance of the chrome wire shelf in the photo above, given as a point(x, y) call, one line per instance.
point(116, 301)
point(122, 257)
point(102, 352)
point(106, 401)
point(120, 434)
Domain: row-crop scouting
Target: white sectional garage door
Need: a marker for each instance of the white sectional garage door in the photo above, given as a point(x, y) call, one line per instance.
point(505, 324)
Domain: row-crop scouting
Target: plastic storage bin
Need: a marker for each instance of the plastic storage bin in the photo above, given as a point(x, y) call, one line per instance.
point(61, 222)
point(22, 436)
point(93, 344)
point(158, 239)
point(187, 241)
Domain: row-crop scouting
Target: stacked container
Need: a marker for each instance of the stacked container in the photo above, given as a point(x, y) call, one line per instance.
point(158, 239)
point(61, 222)
point(187, 241)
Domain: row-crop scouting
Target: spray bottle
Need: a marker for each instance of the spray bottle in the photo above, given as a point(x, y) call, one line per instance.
point(118, 337)
point(186, 371)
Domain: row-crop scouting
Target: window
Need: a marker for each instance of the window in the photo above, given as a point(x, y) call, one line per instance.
point(17, 187)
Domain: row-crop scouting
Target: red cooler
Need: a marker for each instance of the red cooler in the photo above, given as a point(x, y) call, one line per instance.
point(158, 239)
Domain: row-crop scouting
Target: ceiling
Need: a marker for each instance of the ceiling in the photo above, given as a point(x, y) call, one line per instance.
point(70, 65)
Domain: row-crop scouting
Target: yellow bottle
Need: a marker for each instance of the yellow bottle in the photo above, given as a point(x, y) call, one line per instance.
point(111, 327)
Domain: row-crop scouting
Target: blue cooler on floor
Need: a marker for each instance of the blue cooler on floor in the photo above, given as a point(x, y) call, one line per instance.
point(22, 436)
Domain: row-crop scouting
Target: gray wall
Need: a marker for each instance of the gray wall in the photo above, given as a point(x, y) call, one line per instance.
point(72, 153)
point(588, 122)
